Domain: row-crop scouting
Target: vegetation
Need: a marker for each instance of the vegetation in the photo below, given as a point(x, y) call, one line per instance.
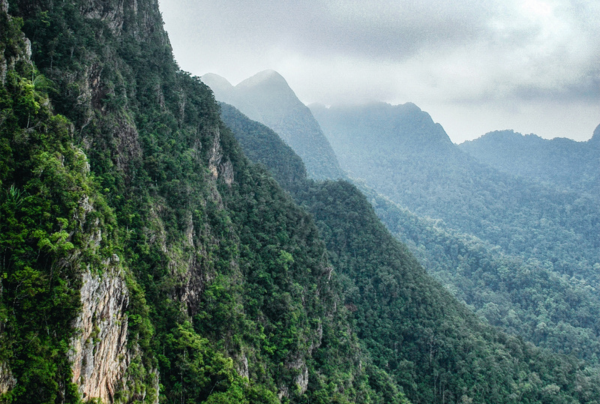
point(432, 346)
point(561, 162)
point(522, 297)
point(231, 297)
point(116, 162)
point(267, 98)
point(544, 239)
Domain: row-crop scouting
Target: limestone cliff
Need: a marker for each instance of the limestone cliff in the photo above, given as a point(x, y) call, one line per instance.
point(100, 356)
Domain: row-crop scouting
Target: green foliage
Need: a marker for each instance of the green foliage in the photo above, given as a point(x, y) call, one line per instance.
point(45, 231)
point(264, 146)
point(431, 345)
point(562, 162)
point(525, 298)
point(519, 252)
point(226, 276)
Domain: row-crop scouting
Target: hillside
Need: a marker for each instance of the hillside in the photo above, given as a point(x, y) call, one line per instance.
point(402, 154)
point(432, 345)
point(267, 98)
point(564, 163)
point(144, 258)
point(522, 297)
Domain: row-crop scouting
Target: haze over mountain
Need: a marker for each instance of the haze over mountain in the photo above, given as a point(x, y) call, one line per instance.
point(404, 155)
point(562, 162)
point(430, 344)
point(529, 65)
point(157, 247)
point(267, 98)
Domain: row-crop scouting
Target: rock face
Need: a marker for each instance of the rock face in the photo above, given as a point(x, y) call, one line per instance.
point(99, 353)
point(7, 380)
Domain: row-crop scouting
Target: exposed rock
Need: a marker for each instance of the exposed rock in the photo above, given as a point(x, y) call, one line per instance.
point(216, 154)
point(227, 172)
point(128, 146)
point(27, 47)
point(7, 380)
point(3, 69)
point(302, 378)
point(4, 6)
point(99, 352)
point(112, 15)
point(242, 367)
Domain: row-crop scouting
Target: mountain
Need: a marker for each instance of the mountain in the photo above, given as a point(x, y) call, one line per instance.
point(267, 98)
point(431, 345)
point(522, 297)
point(402, 154)
point(509, 247)
point(564, 163)
point(144, 258)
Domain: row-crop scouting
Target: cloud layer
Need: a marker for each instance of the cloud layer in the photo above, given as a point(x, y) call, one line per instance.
point(518, 63)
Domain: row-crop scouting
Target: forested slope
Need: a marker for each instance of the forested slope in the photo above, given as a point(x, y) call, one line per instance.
point(144, 258)
point(561, 162)
point(432, 345)
point(401, 153)
point(523, 297)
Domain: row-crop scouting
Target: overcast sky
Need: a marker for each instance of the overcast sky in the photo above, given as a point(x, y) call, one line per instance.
point(474, 65)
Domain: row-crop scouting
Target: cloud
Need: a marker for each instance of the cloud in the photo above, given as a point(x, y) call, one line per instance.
point(470, 52)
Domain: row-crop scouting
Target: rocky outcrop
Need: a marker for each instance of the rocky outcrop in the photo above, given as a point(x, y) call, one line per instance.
point(302, 377)
point(112, 15)
point(7, 380)
point(99, 353)
point(216, 154)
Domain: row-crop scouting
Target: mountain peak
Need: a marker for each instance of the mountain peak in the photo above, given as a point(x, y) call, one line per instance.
point(264, 77)
point(596, 136)
point(221, 88)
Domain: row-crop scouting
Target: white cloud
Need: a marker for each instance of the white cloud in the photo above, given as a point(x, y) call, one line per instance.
point(513, 61)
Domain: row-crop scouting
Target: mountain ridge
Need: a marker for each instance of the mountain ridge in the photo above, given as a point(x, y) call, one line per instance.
point(266, 97)
point(395, 304)
point(560, 162)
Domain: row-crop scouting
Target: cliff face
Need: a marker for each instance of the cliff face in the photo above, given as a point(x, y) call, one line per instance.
point(221, 286)
point(99, 352)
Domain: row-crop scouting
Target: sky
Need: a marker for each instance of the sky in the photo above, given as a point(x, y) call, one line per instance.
point(474, 65)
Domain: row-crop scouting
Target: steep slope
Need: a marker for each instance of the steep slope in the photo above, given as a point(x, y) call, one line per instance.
point(524, 298)
point(402, 154)
point(267, 98)
point(56, 231)
point(562, 162)
point(144, 258)
point(434, 348)
point(264, 146)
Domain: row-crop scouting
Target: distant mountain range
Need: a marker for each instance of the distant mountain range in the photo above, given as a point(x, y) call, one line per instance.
point(267, 98)
point(411, 326)
point(564, 163)
point(404, 155)
point(158, 247)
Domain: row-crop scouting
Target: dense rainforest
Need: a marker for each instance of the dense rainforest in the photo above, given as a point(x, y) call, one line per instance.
point(146, 259)
point(436, 349)
point(522, 253)
point(564, 163)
